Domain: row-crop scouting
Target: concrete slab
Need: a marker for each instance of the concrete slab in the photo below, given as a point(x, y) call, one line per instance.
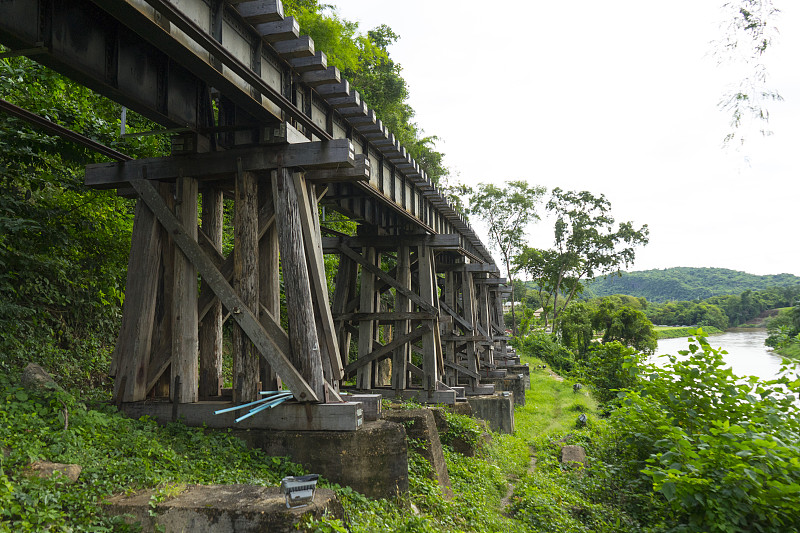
point(346, 416)
point(446, 397)
point(221, 509)
point(497, 410)
point(371, 404)
point(372, 460)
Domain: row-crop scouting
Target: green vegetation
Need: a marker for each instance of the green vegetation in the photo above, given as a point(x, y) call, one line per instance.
point(670, 332)
point(685, 283)
point(784, 331)
point(507, 212)
point(587, 243)
point(117, 454)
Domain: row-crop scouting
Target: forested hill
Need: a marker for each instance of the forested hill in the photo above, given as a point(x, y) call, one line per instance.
point(685, 283)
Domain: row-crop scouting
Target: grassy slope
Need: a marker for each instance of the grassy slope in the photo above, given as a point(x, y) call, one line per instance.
point(669, 332)
point(119, 454)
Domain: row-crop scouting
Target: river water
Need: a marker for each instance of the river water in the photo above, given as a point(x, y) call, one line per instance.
point(747, 354)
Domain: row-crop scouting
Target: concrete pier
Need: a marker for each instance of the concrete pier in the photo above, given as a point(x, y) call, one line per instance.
point(497, 410)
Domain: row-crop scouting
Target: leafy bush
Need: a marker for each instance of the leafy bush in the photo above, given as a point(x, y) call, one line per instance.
point(612, 366)
point(542, 345)
point(722, 450)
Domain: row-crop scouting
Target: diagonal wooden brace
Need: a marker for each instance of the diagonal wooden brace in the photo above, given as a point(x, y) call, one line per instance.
point(386, 278)
point(386, 349)
point(266, 344)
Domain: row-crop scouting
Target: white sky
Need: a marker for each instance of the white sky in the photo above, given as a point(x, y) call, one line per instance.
point(618, 98)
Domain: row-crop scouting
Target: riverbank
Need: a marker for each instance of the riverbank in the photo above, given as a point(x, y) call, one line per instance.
point(791, 351)
point(673, 332)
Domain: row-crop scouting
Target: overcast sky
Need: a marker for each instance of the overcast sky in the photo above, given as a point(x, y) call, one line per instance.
point(618, 98)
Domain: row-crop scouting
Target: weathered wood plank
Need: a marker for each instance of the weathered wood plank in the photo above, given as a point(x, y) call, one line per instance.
point(210, 327)
point(466, 326)
point(132, 351)
point(491, 281)
point(366, 328)
point(329, 76)
point(344, 291)
point(461, 369)
point(334, 90)
point(158, 380)
point(269, 288)
point(389, 242)
point(303, 46)
point(309, 219)
point(427, 292)
point(184, 298)
point(246, 372)
point(259, 11)
point(319, 61)
point(402, 354)
point(303, 332)
point(266, 219)
point(243, 316)
point(360, 172)
point(324, 154)
point(385, 315)
point(279, 30)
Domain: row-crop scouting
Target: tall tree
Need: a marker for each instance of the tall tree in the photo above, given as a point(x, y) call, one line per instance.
point(507, 212)
point(586, 241)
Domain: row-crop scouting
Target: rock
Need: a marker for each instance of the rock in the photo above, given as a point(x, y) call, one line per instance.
point(573, 454)
point(45, 469)
point(581, 422)
point(577, 387)
point(36, 378)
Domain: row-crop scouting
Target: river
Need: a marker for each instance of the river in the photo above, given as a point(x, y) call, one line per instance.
point(747, 354)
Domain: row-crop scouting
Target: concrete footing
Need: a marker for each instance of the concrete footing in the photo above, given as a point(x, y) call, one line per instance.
point(525, 370)
point(512, 383)
point(372, 460)
point(420, 425)
point(221, 509)
point(497, 410)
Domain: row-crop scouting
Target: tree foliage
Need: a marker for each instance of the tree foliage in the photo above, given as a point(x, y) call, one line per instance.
point(63, 247)
point(749, 31)
point(365, 61)
point(587, 244)
point(720, 448)
point(687, 283)
point(507, 212)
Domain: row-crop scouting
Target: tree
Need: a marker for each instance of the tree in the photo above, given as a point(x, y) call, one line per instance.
point(507, 212)
point(586, 241)
point(626, 325)
point(542, 267)
point(749, 31)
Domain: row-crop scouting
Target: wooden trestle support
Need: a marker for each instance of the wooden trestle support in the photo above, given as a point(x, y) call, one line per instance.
point(429, 326)
point(169, 325)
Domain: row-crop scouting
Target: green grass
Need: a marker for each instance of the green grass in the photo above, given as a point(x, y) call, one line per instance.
point(792, 350)
point(551, 407)
point(672, 332)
